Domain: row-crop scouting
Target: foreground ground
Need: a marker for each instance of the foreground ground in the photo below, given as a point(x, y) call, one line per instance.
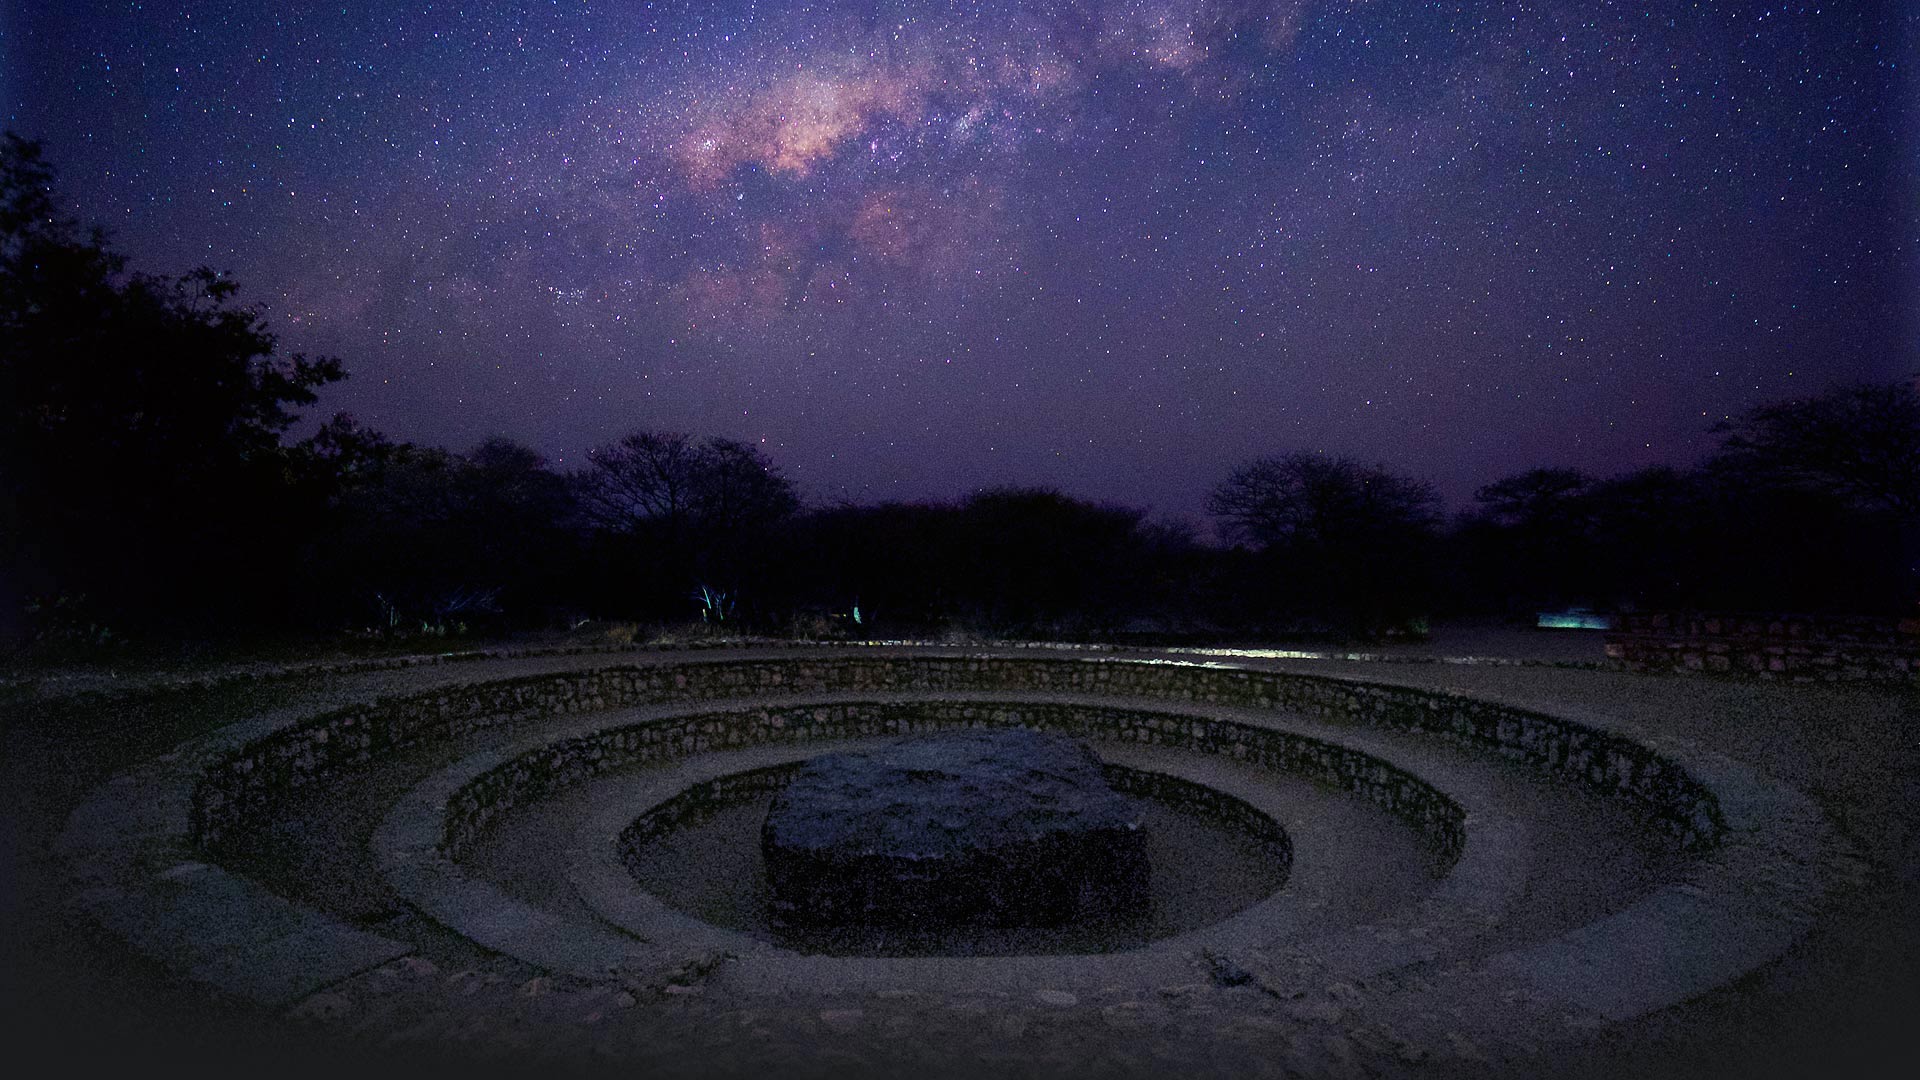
point(1836, 1004)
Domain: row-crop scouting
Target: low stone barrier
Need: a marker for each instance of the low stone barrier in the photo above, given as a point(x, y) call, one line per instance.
point(248, 779)
point(535, 776)
point(1795, 647)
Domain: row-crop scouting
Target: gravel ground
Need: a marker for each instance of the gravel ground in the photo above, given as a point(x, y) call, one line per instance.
point(1840, 1003)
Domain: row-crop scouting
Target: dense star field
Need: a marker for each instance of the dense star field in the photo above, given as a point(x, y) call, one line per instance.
point(1110, 246)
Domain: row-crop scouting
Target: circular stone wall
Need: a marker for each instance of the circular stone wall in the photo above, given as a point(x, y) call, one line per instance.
point(1441, 969)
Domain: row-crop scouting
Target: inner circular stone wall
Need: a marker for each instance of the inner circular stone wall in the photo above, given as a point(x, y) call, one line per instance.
point(1212, 855)
point(538, 774)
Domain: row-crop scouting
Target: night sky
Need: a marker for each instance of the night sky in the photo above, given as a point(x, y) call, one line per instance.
point(1109, 246)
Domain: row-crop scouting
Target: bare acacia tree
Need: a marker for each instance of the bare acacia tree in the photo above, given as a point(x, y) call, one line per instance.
point(647, 478)
point(1312, 500)
point(1348, 542)
point(1548, 499)
point(738, 490)
point(704, 511)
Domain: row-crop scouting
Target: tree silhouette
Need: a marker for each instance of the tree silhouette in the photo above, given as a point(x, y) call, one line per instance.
point(685, 512)
point(1037, 561)
point(646, 480)
point(1531, 536)
point(1346, 541)
point(1651, 529)
point(416, 536)
point(1861, 442)
point(1313, 500)
point(900, 560)
point(140, 417)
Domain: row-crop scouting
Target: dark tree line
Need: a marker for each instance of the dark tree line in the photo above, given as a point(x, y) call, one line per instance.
point(1713, 537)
point(147, 479)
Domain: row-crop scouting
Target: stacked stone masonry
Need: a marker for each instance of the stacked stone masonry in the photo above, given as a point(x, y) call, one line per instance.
point(532, 777)
point(252, 777)
point(1795, 647)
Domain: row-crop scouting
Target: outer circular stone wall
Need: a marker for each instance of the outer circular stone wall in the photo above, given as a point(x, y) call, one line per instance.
point(138, 846)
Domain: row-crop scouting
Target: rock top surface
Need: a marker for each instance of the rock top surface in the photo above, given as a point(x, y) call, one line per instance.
point(1002, 827)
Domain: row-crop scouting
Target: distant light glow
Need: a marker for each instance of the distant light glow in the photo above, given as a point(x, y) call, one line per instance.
point(1574, 620)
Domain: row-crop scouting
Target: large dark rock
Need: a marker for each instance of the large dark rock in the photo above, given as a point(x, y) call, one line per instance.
point(981, 827)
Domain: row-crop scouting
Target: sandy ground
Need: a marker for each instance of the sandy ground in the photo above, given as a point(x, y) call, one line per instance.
point(1838, 1004)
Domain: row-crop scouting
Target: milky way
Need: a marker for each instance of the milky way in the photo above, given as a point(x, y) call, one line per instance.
point(1110, 246)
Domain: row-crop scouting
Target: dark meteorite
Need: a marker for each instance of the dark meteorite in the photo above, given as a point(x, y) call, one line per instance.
point(1001, 828)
